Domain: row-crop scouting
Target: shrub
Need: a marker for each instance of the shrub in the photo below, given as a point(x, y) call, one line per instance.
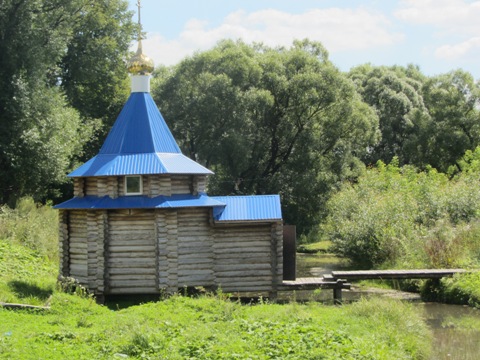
point(463, 289)
point(402, 217)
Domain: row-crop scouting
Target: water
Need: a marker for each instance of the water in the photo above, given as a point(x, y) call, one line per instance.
point(309, 265)
point(456, 329)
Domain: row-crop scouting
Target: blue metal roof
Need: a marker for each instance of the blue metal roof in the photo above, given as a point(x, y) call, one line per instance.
point(139, 143)
point(139, 164)
point(248, 208)
point(140, 202)
point(225, 208)
point(140, 128)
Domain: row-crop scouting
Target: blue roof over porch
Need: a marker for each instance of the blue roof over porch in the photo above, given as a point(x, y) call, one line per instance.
point(225, 208)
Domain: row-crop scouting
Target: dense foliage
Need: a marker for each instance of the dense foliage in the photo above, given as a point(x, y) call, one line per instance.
point(398, 216)
point(61, 63)
point(461, 289)
point(269, 120)
point(31, 225)
point(423, 120)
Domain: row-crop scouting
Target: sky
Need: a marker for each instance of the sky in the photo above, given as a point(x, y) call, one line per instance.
point(437, 35)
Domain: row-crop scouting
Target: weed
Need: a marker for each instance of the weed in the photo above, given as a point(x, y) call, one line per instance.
point(84, 322)
point(32, 225)
point(70, 285)
point(142, 345)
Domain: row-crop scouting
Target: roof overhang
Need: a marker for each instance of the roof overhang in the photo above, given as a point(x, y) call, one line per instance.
point(139, 202)
point(139, 164)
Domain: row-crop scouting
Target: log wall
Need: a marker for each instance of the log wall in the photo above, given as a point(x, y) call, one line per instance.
point(153, 185)
point(200, 184)
point(131, 261)
point(243, 258)
point(168, 248)
point(78, 246)
point(63, 248)
point(195, 248)
point(144, 251)
point(79, 187)
point(182, 184)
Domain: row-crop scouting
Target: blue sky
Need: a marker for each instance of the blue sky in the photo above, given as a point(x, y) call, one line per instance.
point(437, 35)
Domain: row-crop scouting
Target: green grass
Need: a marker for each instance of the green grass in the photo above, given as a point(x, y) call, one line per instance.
point(208, 327)
point(211, 327)
point(316, 247)
point(25, 276)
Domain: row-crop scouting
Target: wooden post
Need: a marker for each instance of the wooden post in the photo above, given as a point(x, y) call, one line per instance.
point(102, 254)
point(289, 252)
point(172, 250)
point(64, 235)
point(273, 261)
point(337, 292)
point(337, 296)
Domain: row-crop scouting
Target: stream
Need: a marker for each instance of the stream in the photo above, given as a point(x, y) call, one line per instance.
point(455, 328)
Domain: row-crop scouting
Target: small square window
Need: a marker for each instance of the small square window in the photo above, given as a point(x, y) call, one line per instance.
point(133, 185)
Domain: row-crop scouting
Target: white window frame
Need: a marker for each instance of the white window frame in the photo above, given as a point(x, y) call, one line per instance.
point(141, 185)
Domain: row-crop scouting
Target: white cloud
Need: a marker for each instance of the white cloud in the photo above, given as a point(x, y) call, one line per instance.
point(338, 30)
point(459, 50)
point(450, 15)
point(163, 51)
point(456, 22)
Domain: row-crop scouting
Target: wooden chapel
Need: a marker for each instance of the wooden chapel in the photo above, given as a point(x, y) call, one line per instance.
point(141, 222)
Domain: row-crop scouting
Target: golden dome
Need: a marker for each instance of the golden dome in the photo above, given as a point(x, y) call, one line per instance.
point(140, 64)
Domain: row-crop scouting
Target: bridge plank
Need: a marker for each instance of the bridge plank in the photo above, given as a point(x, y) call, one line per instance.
point(395, 274)
point(313, 283)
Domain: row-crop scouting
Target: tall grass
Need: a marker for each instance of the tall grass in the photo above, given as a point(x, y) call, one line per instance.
point(32, 225)
point(28, 252)
point(460, 289)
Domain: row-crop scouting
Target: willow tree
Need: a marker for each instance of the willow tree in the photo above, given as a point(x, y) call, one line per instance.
point(423, 120)
point(268, 120)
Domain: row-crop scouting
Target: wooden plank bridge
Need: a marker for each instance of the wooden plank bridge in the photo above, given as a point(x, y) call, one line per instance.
point(393, 274)
point(338, 280)
point(313, 283)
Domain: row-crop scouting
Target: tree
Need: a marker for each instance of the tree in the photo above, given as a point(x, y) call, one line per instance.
point(39, 131)
point(453, 101)
point(92, 71)
point(268, 121)
point(395, 93)
point(423, 120)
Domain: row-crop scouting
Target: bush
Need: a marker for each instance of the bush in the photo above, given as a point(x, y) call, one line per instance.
point(401, 217)
point(462, 289)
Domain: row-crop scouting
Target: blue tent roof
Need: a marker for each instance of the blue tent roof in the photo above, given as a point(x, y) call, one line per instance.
point(139, 143)
point(248, 208)
point(140, 128)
